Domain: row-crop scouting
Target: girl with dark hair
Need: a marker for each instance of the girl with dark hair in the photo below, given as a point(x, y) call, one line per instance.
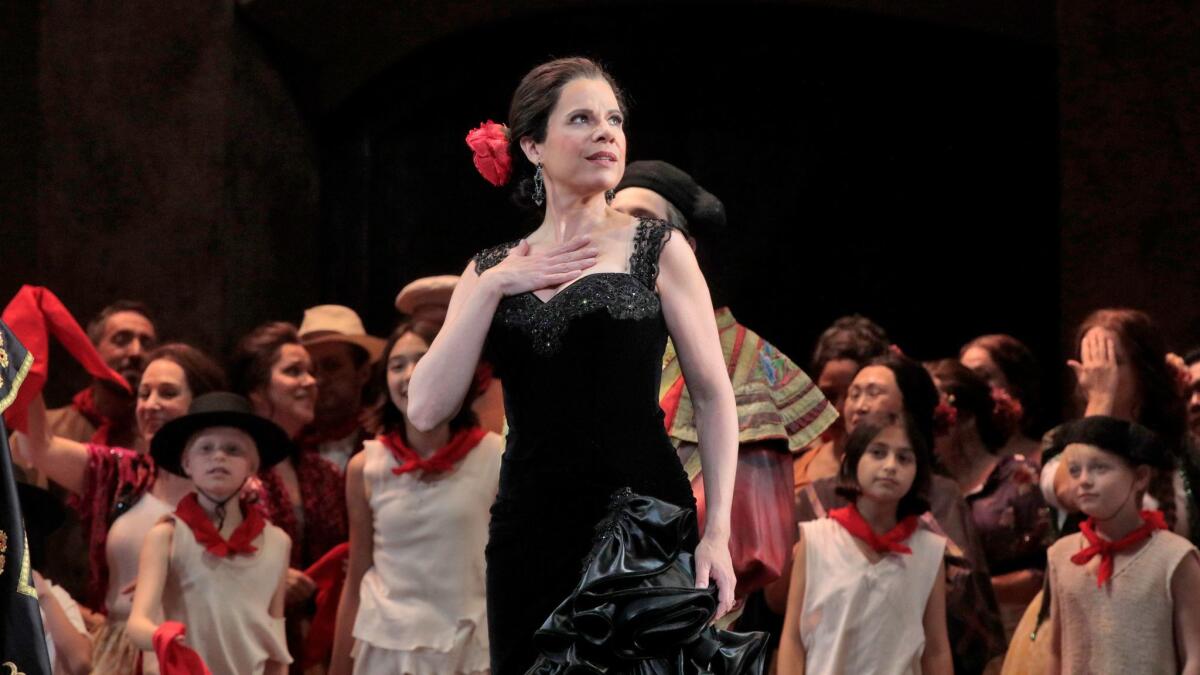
point(575, 318)
point(304, 494)
point(120, 494)
point(888, 387)
point(1007, 509)
point(413, 601)
point(869, 565)
point(1005, 362)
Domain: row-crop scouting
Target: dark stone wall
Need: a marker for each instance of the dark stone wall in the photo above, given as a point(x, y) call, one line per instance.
point(1130, 110)
point(173, 167)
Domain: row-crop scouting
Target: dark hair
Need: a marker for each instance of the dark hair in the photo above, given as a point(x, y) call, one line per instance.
point(1020, 368)
point(529, 112)
point(384, 417)
point(916, 501)
point(971, 396)
point(855, 337)
point(1161, 407)
point(920, 396)
point(250, 365)
point(201, 372)
point(95, 327)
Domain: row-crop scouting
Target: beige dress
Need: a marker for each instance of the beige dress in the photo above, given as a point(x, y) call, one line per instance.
point(1126, 626)
point(225, 602)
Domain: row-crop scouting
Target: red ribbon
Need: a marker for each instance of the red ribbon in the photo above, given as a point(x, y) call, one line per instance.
point(1151, 521)
point(174, 657)
point(889, 542)
point(439, 462)
point(329, 574)
point(34, 315)
point(190, 511)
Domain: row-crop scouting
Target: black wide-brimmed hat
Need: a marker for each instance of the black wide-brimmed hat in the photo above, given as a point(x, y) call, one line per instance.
point(703, 211)
point(1129, 440)
point(219, 409)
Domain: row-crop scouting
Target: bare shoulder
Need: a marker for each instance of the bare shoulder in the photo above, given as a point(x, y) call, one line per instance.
point(161, 534)
point(356, 465)
point(492, 442)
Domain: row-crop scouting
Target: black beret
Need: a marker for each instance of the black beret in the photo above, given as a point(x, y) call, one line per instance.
point(703, 211)
point(1131, 441)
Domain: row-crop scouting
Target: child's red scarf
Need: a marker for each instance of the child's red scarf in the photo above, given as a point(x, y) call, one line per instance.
point(441, 461)
point(190, 512)
point(1151, 521)
point(891, 541)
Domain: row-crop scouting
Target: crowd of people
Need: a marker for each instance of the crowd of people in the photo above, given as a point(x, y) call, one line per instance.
point(331, 501)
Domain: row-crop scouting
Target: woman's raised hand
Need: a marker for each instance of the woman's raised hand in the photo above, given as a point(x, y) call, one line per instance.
point(523, 271)
point(1097, 372)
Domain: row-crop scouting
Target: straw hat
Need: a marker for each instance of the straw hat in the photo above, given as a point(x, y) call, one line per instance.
point(337, 323)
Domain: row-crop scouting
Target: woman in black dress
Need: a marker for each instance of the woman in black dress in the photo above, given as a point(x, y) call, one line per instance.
point(575, 318)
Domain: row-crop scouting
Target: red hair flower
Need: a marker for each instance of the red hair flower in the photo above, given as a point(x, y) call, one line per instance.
point(1006, 410)
point(489, 142)
point(945, 416)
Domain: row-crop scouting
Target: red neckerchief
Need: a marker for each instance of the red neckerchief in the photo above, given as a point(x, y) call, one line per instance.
point(891, 541)
point(439, 462)
point(190, 511)
point(85, 403)
point(311, 437)
point(1151, 521)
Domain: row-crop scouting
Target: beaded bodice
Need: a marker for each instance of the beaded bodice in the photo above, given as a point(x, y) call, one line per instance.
point(581, 371)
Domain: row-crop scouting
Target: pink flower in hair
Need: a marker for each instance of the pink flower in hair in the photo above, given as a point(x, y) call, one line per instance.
point(489, 142)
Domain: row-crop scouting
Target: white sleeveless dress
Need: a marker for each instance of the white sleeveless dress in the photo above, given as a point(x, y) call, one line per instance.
point(225, 602)
point(860, 617)
point(423, 609)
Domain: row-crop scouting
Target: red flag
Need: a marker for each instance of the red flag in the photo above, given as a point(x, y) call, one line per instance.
point(33, 315)
point(329, 573)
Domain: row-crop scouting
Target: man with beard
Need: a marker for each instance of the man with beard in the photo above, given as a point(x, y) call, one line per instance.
point(103, 413)
point(342, 355)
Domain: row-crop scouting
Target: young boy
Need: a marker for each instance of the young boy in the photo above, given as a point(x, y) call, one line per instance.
point(216, 568)
point(1124, 591)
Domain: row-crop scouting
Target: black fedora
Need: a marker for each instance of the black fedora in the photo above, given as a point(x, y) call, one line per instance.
point(219, 409)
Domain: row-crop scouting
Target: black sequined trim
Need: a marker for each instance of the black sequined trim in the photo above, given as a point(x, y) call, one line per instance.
point(624, 296)
point(490, 257)
point(648, 243)
point(545, 322)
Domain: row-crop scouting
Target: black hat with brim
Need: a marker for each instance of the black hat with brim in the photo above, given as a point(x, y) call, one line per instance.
point(219, 409)
point(1131, 441)
point(703, 211)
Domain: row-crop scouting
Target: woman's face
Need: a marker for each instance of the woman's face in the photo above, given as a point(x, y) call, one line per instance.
point(162, 395)
point(888, 466)
point(873, 397)
point(834, 381)
point(290, 395)
point(980, 360)
point(584, 150)
point(400, 363)
point(1127, 401)
point(219, 460)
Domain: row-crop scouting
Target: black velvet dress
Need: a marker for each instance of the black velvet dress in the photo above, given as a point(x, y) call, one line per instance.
point(580, 374)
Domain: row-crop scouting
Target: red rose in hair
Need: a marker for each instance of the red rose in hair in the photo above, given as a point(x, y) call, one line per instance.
point(489, 141)
point(945, 416)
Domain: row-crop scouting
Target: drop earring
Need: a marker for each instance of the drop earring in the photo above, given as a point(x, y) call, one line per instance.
point(539, 186)
point(609, 195)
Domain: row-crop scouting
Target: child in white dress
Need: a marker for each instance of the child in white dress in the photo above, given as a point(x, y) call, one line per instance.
point(867, 593)
point(216, 569)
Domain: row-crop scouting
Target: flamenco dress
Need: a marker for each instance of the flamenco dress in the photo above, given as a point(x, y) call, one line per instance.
point(581, 374)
